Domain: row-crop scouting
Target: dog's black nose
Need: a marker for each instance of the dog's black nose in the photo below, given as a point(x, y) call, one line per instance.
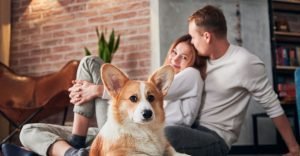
point(147, 114)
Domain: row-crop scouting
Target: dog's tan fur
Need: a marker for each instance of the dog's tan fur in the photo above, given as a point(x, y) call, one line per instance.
point(126, 132)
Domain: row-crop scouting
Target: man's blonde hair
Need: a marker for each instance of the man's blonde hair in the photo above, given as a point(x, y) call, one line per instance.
point(211, 19)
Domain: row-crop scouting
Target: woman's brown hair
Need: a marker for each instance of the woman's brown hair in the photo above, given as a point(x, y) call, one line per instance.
point(199, 61)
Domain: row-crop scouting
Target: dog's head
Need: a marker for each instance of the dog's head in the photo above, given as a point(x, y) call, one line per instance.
point(137, 101)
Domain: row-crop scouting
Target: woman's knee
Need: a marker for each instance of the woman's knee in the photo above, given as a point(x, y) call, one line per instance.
point(88, 60)
point(89, 69)
point(26, 133)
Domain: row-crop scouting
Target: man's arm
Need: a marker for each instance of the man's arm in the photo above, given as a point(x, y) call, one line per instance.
point(284, 128)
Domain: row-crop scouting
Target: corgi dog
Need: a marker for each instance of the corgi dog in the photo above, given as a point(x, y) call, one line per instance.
point(135, 122)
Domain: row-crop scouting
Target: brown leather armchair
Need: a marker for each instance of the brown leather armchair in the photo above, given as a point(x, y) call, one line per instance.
point(25, 99)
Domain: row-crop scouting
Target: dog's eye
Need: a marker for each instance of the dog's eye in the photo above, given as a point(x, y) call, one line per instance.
point(133, 98)
point(150, 98)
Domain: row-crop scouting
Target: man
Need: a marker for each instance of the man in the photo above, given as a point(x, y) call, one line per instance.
point(233, 76)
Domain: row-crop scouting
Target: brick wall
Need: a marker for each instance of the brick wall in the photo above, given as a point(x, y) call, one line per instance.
point(48, 33)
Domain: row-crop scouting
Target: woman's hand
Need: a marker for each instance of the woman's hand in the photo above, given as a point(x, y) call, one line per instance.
point(84, 91)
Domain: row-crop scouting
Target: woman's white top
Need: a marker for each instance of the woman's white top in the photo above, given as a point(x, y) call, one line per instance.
point(183, 100)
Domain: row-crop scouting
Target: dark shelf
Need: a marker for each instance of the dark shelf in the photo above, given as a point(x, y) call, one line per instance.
point(286, 6)
point(287, 1)
point(289, 34)
point(286, 36)
point(289, 68)
point(286, 70)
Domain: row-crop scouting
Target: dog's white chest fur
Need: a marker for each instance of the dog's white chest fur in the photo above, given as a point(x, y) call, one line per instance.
point(145, 140)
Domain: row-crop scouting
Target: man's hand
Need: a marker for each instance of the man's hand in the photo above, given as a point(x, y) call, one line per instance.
point(293, 151)
point(84, 91)
point(284, 128)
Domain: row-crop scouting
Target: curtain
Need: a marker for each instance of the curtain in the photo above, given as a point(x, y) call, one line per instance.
point(5, 7)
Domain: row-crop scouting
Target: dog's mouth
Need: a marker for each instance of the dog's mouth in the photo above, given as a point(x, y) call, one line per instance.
point(147, 120)
point(144, 121)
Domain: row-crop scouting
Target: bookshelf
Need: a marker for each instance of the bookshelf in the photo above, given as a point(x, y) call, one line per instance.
point(285, 41)
point(285, 52)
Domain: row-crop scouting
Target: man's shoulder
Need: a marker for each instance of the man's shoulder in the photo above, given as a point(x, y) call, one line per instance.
point(244, 56)
point(245, 61)
point(243, 52)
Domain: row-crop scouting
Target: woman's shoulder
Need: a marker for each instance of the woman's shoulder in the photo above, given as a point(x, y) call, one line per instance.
point(190, 70)
point(189, 73)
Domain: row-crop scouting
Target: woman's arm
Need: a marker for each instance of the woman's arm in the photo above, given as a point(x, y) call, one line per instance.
point(183, 85)
point(83, 91)
point(184, 98)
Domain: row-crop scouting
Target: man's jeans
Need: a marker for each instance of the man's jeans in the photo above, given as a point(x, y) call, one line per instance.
point(198, 141)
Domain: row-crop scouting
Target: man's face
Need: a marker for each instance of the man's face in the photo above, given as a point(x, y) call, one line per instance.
point(198, 40)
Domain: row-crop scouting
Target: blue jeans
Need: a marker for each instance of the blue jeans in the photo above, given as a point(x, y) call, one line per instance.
point(198, 141)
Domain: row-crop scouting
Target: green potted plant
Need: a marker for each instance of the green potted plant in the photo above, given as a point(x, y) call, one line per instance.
point(106, 49)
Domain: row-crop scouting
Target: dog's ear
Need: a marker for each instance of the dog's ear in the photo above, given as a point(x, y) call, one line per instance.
point(162, 78)
point(113, 79)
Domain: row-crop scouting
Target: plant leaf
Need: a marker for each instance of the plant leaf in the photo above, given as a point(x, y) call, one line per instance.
point(101, 45)
point(87, 51)
point(117, 44)
point(111, 41)
point(106, 55)
point(97, 31)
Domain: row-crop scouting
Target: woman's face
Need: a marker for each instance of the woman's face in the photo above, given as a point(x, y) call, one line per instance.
point(181, 56)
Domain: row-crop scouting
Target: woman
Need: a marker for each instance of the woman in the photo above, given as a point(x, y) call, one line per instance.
point(183, 99)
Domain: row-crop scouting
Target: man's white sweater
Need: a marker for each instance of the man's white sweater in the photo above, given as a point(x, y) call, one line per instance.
point(231, 81)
